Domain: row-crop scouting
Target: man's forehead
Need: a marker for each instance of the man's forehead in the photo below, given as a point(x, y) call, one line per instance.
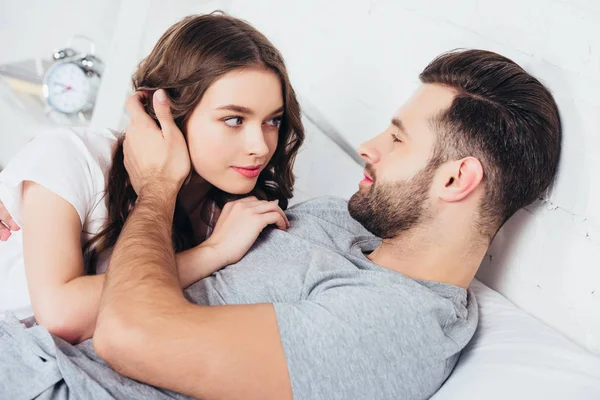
point(428, 101)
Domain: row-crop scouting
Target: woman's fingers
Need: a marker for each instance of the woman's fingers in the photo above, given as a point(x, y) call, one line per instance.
point(7, 224)
point(271, 206)
point(4, 233)
point(274, 217)
point(250, 206)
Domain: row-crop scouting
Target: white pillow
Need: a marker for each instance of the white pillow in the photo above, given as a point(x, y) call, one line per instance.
point(515, 356)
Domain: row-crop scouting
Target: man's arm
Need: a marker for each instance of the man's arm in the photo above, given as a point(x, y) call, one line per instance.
point(148, 331)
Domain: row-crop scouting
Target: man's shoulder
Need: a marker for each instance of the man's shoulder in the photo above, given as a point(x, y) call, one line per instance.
point(354, 320)
point(334, 203)
point(330, 212)
point(327, 208)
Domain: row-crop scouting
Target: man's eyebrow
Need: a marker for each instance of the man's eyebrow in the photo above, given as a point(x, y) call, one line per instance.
point(398, 124)
point(245, 110)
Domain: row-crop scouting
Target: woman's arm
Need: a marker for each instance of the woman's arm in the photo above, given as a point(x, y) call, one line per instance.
point(197, 263)
point(64, 300)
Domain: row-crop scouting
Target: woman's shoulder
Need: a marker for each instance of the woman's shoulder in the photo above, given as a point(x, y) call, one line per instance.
point(65, 150)
point(71, 162)
point(77, 147)
point(98, 142)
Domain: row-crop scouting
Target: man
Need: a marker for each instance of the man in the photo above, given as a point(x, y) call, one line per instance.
point(328, 310)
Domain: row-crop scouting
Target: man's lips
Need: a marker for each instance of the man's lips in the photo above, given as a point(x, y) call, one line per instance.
point(251, 171)
point(366, 179)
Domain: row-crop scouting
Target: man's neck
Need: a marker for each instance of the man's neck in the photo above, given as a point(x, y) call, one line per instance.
point(429, 255)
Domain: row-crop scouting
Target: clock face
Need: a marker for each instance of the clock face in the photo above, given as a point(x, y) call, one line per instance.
point(68, 88)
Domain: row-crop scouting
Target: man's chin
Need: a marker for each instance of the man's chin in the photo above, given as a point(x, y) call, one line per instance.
point(362, 192)
point(356, 206)
point(353, 199)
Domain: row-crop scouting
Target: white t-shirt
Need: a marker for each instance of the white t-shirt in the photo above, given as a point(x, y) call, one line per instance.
point(72, 163)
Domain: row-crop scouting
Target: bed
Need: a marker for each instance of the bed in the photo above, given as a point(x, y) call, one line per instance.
point(512, 354)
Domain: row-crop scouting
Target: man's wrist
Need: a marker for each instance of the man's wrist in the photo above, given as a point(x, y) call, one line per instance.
point(158, 190)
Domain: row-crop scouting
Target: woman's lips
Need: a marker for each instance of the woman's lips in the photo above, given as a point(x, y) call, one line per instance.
point(248, 172)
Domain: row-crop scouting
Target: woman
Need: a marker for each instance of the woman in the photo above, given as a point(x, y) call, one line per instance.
point(230, 95)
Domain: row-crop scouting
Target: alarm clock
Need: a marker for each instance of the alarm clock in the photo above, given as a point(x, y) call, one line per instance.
point(70, 84)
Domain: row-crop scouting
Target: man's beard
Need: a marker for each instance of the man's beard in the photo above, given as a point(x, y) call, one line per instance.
point(388, 209)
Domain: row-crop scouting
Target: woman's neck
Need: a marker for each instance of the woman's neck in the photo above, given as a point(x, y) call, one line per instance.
point(193, 193)
point(192, 199)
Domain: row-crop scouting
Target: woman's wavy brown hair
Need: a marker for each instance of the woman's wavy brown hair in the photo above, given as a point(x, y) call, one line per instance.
point(188, 58)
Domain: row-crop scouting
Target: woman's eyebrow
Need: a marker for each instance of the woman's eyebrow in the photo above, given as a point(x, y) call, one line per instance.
point(245, 110)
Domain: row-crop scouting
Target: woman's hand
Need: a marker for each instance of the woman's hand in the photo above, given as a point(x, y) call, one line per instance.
point(239, 225)
point(6, 223)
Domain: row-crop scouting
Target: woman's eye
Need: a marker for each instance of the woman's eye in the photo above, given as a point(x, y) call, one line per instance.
point(395, 138)
point(274, 122)
point(233, 121)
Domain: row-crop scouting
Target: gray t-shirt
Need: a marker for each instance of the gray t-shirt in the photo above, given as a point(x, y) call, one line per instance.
point(350, 328)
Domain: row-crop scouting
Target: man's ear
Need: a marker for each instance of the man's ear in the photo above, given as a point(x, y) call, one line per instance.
point(461, 178)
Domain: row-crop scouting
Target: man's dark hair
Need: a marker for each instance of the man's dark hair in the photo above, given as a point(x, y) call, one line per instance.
point(505, 118)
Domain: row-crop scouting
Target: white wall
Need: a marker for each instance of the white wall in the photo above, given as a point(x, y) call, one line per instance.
point(359, 60)
point(140, 23)
point(35, 28)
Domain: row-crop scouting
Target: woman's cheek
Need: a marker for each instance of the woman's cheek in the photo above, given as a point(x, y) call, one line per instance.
point(212, 150)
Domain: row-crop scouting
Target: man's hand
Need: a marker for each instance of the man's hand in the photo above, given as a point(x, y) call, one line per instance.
point(153, 155)
point(7, 224)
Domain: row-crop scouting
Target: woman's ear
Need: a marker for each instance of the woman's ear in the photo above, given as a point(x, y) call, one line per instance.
point(461, 178)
